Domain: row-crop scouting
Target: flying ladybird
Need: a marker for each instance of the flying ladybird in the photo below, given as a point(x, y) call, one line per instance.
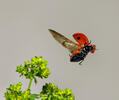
point(78, 50)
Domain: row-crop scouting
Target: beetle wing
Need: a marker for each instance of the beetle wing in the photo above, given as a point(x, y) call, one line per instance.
point(65, 42)
point(81, 39)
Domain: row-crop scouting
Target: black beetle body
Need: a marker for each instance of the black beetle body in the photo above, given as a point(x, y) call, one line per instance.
point(79, 57)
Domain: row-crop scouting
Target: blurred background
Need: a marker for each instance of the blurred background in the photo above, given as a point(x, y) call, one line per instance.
point(24, 34)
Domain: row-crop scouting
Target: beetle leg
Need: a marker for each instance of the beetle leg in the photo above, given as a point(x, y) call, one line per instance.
point(80, 63)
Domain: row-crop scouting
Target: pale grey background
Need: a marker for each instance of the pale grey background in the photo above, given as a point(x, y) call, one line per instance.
point(24, 33)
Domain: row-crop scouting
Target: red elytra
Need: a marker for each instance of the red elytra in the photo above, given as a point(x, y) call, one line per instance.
point(83, 40)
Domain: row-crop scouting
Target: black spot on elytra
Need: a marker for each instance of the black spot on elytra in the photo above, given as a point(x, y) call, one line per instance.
point(78, 38)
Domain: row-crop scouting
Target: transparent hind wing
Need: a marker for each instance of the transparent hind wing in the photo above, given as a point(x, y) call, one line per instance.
point(65, 42)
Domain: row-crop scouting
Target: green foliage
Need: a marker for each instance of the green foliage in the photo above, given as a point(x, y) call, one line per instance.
point(14, 92)
point(52, 92)
point(32, 69)
point(35, 68)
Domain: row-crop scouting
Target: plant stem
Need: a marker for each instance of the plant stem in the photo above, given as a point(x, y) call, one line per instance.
point(30, 84)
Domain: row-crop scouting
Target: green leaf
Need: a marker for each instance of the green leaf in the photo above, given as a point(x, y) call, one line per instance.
point(34, 96)
point(35, 80)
